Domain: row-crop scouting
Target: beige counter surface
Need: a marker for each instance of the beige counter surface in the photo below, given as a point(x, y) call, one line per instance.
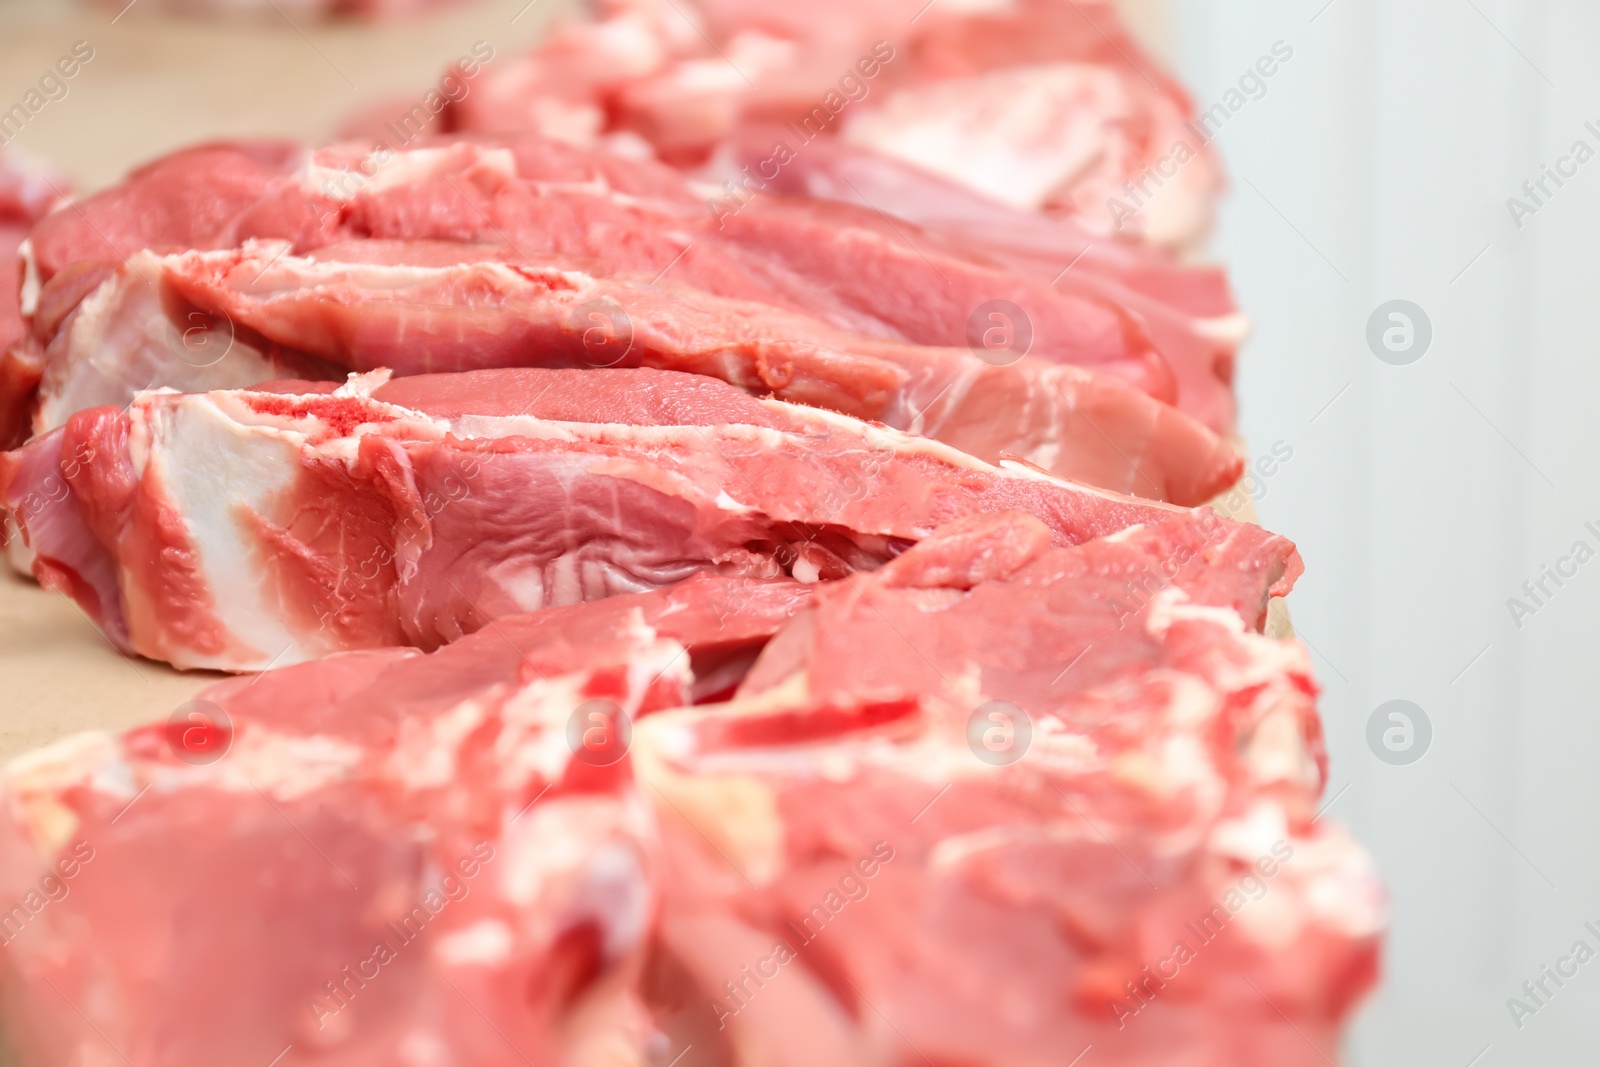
point(58, 675)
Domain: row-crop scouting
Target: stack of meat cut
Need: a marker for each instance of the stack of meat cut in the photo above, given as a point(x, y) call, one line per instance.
point(679, 619)
point(1034, 104)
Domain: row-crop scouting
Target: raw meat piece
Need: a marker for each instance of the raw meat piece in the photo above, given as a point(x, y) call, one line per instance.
point(623, 218)
point(1187, 311)
point(628, 906)
point(418, 307)
point(27, 193)
point(1066, 138)
point(534, 201)
point(132, 331)
point(95, 315)
point(352, 522)
point(1033, 103)
point(191, 198)
point(380, 857)
point(966, 808)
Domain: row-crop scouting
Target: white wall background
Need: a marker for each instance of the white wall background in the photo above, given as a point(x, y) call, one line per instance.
point(1377, 166)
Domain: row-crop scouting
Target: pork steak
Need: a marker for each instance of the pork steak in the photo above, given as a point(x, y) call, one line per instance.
point(413, 512)
point(531, 845)
point(1000, 803)
point(878, 298)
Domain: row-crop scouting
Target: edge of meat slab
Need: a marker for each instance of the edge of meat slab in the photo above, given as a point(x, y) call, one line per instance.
point(348, 520)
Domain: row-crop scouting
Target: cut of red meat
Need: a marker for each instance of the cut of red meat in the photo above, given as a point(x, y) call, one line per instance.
point(352, 523)
point(726, 539)
point(845, 266)
point(1094, 604)
point(1034, 103)
point(999, 802)
point(563, 862)
point(130, 330)
point(192, 198)
point(825, 870)
point(412, 308)
point(1187, 311)
point(528, 201)
point(27, 192)
point(544, 199)
point(836, 170)
point(402, 852)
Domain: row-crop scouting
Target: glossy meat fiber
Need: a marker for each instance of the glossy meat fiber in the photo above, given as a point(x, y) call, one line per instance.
point(1186, 309)
point(984, 851)
point(1001, 803)
point(1033, 103)
point(419, 307)
point(381, 857)
point(416, 511)
point(27, 192)
point(637, 241)
point(533, 197)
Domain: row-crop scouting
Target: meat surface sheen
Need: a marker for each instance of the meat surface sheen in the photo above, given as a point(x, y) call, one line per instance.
point(464, 211)
point(27, 193)
point(421, 307)
point(1046, 106)
point(355, 859)
point(351, 521)
point(1003, 797)
point(1000, 802)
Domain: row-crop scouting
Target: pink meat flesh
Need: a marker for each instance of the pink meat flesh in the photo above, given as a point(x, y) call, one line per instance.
point(354, 522)
point(1187, 311)
point(851, 269)
point(1053, 106)
point(420, 307)
point(425, 864)
point(565, 863)
point(879, 895)
point(27, 192)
